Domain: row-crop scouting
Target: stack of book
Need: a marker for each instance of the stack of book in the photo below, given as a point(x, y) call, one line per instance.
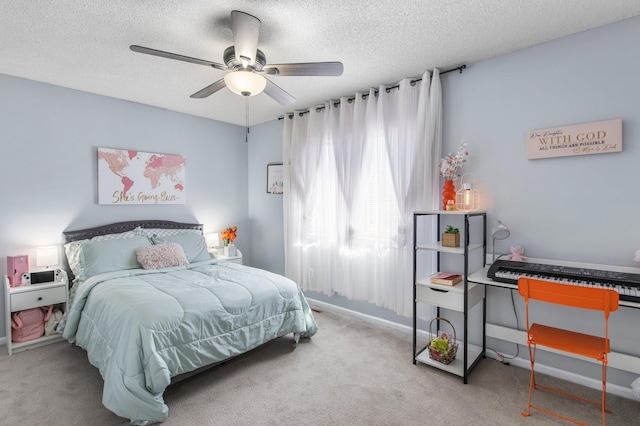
point(446, 278)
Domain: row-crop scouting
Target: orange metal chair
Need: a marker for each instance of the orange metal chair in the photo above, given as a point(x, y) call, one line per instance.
point(594, 347)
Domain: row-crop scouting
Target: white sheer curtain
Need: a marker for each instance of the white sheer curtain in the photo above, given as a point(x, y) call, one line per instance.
point(354, 172)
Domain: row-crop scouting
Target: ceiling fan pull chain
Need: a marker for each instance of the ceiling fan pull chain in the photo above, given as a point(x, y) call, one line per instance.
point(246, 109)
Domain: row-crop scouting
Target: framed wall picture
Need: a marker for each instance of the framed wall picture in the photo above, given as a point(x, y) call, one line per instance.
point(132, 177)
point(275, 178)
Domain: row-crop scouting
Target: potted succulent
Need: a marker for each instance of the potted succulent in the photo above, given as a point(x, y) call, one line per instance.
point(451, 237)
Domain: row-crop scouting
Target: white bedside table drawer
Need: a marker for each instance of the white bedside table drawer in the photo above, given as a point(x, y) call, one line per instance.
point(34, 298)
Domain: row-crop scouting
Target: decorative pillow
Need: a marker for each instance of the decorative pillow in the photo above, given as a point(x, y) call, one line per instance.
point(161, 256)
point(193, 244)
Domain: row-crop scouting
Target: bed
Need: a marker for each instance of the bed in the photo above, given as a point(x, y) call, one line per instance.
point(145, 315)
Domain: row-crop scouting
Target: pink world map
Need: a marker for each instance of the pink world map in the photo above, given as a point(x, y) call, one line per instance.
point(164, 176)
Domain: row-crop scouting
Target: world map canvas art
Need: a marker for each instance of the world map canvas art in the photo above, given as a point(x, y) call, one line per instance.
point(133, 177)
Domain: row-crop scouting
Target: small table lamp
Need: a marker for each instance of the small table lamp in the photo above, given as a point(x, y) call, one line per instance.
point(212, 239)
point(468, 198)
point(47, 256)
point(213, 243)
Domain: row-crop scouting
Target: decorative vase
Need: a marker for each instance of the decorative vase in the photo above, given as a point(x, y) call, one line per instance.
point(226, 250)
point(448, 193)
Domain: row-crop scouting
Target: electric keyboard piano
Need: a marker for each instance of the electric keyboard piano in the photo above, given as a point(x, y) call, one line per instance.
point(625, 282)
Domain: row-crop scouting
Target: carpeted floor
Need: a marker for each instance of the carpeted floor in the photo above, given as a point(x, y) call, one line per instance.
point(350, 373)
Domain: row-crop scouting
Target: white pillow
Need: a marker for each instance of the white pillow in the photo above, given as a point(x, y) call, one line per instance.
point(161, 256)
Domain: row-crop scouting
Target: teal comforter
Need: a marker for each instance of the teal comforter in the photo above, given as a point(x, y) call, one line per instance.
point(141, 327)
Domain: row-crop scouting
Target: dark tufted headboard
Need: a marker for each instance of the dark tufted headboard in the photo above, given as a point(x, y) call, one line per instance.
point(115, 228)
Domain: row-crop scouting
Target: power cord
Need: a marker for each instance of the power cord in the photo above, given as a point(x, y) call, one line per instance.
point(500, 356)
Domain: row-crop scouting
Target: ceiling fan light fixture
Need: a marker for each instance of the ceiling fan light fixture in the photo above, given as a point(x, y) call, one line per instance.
point(245, 83)
point(246, 64)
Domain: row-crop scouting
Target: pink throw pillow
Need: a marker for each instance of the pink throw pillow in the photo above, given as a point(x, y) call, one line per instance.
point(161, 256)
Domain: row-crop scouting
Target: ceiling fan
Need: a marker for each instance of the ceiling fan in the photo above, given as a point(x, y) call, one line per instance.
point(247, 64)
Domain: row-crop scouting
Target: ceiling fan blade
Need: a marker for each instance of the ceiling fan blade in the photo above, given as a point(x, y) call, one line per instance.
point(210, 89)
point(278, 94)
point(305, 69)
point(246, 31)
point(162, 54)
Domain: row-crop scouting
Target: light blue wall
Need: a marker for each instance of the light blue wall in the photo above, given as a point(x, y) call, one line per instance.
point(265, 210)
point(560, 208)
point(49, 139)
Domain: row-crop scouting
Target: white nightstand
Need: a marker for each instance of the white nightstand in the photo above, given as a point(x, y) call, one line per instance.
point(217, 254)
point(33, 296)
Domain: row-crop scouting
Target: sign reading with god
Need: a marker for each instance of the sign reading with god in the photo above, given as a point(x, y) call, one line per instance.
point(598, 137)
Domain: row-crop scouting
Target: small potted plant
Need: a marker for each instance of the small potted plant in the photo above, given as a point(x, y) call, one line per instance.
point(451, 237)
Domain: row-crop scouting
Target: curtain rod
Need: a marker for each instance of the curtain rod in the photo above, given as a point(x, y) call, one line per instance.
point(365, 95)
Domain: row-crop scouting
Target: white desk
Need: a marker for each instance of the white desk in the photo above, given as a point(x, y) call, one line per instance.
point(617, 360)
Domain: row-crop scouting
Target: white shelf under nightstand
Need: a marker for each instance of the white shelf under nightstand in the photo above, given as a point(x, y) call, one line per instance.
point(33, 296)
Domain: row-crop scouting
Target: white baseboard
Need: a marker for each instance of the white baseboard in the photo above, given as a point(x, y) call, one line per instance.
point(369, 318)
point(518, 362)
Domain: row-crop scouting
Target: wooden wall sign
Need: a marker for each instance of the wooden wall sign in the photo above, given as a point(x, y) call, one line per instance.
point(598, 137)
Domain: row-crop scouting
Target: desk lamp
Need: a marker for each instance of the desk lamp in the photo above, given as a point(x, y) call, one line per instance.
point(499, 232)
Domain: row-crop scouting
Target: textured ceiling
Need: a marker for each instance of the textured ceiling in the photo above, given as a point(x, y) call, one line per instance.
point(84, 44)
